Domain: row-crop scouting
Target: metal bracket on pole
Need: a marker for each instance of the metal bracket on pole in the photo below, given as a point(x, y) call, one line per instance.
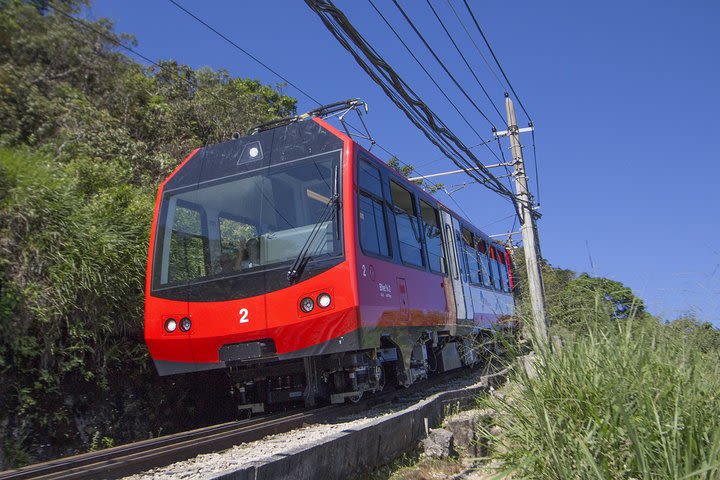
point(505, 133)
point(508, 234)
point(452, 172)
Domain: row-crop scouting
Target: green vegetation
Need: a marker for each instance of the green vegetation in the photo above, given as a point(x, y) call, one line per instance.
point(626, 396)
point(86, 133)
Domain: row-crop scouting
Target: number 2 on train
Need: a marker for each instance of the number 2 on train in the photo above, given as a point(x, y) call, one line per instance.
point(243, 315)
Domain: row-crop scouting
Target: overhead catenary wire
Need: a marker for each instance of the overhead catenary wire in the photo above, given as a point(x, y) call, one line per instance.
point(501, 159)
point(457, 204)
point(452, 77)
point(442, 91)
point(502, 71)
point(440, 62)
point(224, 37)
point(435, 160)
point(477, 48)
point(413, 167)
point(422, 66)
point(434, 129)
point(498, 221)
point(241, 49)
point(135, 52)
point(467, 64)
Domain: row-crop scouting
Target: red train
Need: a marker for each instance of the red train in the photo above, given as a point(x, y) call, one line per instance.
point(308, 268)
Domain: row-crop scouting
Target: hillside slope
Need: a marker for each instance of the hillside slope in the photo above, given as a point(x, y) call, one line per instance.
point(86, 134)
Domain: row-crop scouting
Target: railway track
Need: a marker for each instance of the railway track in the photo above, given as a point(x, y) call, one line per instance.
point(136, 457)
point(123, 460)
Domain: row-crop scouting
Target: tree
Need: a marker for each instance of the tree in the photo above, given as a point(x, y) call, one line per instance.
point(587, 298)
point(86, 134)
point(573, 300)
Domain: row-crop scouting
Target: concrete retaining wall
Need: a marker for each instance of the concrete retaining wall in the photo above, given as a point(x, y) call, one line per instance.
point(354, 451)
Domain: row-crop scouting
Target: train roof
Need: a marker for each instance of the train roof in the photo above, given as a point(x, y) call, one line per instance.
point(280, 144)
point(428, 196)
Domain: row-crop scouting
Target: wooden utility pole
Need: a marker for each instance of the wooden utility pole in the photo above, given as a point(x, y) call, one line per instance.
point(525, 207)
point(527, 217)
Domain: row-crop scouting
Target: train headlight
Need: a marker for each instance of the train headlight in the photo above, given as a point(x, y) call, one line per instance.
point(185, 324)
point(170, 325)
point(307, 304)
point(324, 300)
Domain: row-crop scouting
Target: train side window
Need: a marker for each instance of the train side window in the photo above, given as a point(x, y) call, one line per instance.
point(188, 244)
point(484, 263)
point(471, 256)
point(433, 237)
point(494, 269)
point(373, 232)
point(373, 237)
point(369, 179)
point(408, 226)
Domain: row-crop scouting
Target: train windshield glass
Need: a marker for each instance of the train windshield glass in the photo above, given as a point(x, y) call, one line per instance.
point(247, 223)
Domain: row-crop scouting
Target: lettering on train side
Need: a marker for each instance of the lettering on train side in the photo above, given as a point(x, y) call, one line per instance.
point(385, 290)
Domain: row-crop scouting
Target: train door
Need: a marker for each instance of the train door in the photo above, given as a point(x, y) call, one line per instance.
point(453, 264)
point(464, 275)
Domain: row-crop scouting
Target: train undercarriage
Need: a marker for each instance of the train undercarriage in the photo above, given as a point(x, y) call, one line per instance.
point(347, 376)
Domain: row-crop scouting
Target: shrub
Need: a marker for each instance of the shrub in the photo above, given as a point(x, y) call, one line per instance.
point(637, 400)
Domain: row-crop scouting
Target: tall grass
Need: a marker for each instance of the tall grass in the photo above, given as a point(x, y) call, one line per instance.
point(635, 399)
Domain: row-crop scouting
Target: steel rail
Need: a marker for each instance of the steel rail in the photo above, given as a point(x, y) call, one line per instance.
point(135, 457)
point(132, 458)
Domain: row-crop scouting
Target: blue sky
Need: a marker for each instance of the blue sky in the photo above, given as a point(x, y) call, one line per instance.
point(624, 95)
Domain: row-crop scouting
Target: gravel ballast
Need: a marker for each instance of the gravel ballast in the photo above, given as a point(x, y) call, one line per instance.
point(216, 464)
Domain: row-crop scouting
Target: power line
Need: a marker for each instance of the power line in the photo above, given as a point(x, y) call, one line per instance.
point(504, 161)
point(502, 153)
point(472, 71)
point(238, 47)
point(498, 221)
point(398, 90)
point(434, 129)
point(413, 167)
point(457, 204)
point(407, 48)
point(512, 89)
point(467, 5)
point(426, 163)
point(452, 77)
point(476, 45)
point(440, 62)
point(397, 35)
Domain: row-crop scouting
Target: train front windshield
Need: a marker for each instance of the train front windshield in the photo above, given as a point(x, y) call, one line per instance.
point(248, 223)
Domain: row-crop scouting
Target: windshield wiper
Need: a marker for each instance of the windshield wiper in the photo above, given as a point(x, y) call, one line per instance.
point(304, 255)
